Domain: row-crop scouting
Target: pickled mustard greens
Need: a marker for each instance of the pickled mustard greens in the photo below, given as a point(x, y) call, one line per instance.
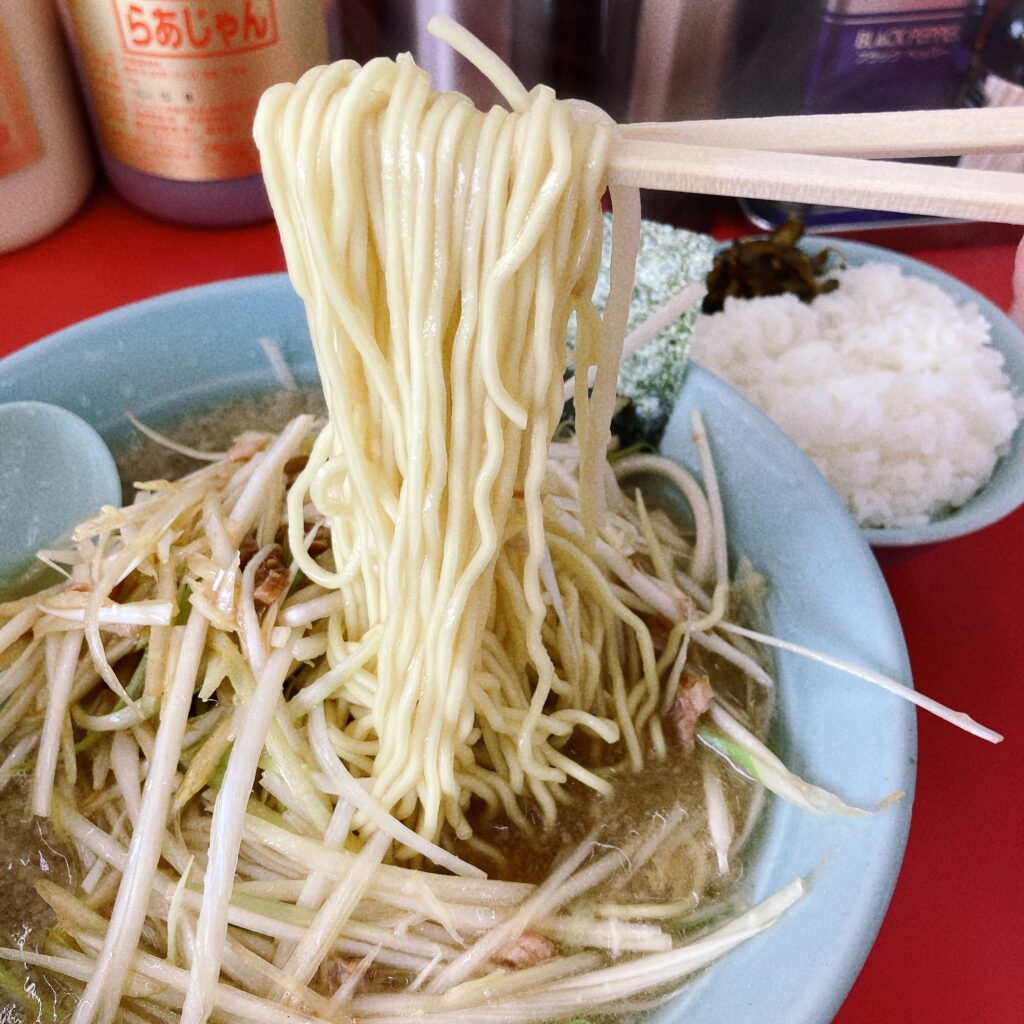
point(753, 267)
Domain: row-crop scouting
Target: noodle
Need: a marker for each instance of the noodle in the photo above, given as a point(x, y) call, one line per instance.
point(441, 252)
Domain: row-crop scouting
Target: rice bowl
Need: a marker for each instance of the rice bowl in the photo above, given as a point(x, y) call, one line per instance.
point(938, 500)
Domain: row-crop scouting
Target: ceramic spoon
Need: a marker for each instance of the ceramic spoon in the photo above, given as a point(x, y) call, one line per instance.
point(55, 470)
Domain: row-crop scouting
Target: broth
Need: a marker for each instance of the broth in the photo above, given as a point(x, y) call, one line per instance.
point(210, 429)
point(682, 871)
point(29, 852)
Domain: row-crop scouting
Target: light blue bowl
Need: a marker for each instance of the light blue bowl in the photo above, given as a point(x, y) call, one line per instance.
point(163, 357)
point(1004, 493)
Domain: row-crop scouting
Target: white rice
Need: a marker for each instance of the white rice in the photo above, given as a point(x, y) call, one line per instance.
point(890, 387)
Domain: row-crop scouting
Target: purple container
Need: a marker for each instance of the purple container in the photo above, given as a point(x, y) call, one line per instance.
point(876, 55)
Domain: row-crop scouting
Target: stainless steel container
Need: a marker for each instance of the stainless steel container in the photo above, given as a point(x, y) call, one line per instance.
point(584, 48)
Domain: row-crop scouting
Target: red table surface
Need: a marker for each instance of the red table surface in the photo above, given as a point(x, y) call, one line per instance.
point(951, 949)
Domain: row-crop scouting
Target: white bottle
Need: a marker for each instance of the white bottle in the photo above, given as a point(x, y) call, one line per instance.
point(172, 90)
point(46, 162)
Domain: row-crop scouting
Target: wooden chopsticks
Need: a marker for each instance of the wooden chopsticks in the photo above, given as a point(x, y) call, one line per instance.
point(901, 133)
point(649, 156)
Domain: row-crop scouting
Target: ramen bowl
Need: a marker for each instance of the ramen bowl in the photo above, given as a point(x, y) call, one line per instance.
point(188, 352)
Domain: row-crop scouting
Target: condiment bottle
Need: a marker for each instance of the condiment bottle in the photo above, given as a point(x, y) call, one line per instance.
point(46, 161)
point(172, 89)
